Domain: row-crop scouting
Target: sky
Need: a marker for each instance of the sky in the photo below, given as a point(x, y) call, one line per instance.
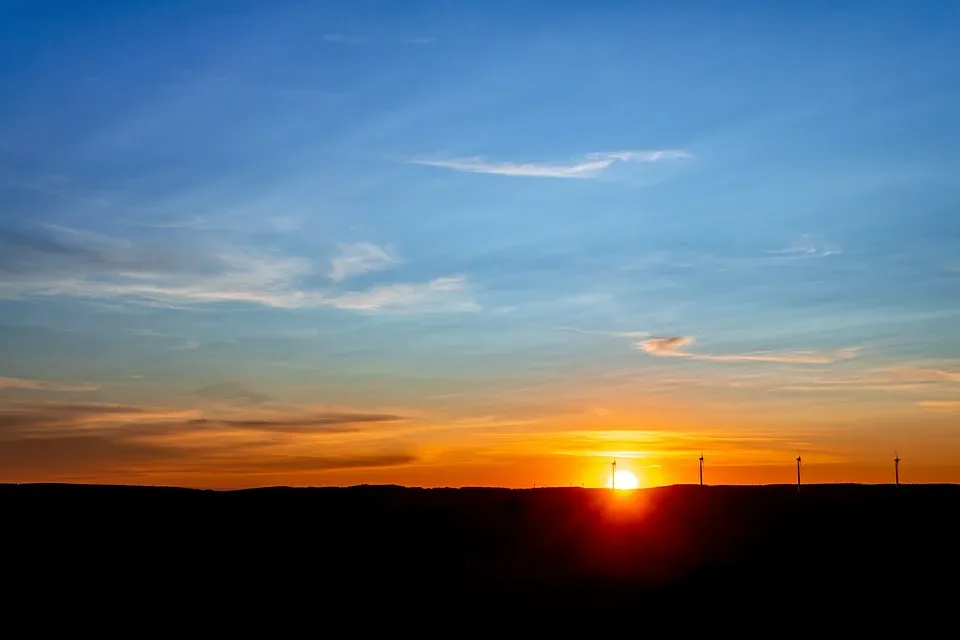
point(478, 243)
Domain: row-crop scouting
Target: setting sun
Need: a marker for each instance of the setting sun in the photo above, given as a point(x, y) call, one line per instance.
point(625, 480)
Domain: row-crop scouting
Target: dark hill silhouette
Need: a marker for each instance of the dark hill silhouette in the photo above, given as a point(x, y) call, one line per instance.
point(833, 548)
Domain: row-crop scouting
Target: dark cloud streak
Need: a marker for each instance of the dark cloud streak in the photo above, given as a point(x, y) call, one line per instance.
point(70, 453)
point(66, 440)
point(333, 422)
point(48, 414)
point(48, 250)
point(231, 392)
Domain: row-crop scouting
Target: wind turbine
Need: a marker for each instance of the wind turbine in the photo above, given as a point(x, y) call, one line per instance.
point(701, 467)
point(613, 475)
point(896, 467)
point(799, 459)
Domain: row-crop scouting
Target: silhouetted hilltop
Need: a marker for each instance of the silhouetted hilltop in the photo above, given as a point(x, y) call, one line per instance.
point(667, 548)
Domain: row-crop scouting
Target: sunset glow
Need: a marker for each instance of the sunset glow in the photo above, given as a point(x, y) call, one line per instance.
point(292, 244)
point(625, 480)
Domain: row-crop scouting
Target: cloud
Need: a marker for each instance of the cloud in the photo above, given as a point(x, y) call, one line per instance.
point(359, 258)
point(28, 416)
point(74, 453)
point(666, 346)
point(805, 246)
point(826, 386)
point(927, 375)
point(909, 379)
point(120, 458)
point(796, 357)
point(150, 333)
point(243, 222)
point(39, 385)
point(55, 261)
point(440, 294)
point(56, 250)
point(60, 261)
point(328, 422)
point(306, 463)
point(940, 404)
point(590, 166)
point(339, 38)
point(44, 417)
point(231, 392)
point(674, 347)
point(42, 441)
point(613, 334)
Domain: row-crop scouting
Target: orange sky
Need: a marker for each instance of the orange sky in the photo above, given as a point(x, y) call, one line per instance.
point(222, 446)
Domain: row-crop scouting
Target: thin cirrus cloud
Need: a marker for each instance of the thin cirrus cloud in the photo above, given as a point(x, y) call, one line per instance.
point(231, 393)
point(448, 293)
point(674, 346)
point(806, 246)
point(612, 334)
point(590, 166)
point(359, 258)
point(25, 384)
point(54, 261)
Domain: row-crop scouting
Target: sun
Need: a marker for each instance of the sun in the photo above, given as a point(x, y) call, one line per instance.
point(625, 480)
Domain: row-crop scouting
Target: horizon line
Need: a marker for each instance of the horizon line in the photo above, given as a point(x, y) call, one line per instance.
point(790, 485)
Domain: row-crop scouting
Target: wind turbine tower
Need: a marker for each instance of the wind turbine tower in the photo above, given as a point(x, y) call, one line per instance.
point(896, 468)
point(701, 468)
point(613, 475)
point(798, 470)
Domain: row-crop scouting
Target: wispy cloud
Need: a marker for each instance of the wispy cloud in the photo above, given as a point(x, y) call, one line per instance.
point(232, 393)
point(440, 294)
point(589, 166)
point(40, 385)
point(806, 246)
point(126, 441)
point(612, 334)
point(673, 346)
point(243, 222)
point(940, 404)
point(919, 374)
point(328, 422)
point(358, 258)
point(901, 379)
point(339, 38)
point(69, 262)
point(38, 418)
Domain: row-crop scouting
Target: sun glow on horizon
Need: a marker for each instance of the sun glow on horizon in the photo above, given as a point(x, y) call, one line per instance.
point(624, 479)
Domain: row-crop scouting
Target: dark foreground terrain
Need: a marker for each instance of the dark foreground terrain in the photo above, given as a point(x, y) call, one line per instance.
point(852, 550)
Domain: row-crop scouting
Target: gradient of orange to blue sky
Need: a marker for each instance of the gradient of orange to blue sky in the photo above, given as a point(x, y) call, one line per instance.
point(478, 243)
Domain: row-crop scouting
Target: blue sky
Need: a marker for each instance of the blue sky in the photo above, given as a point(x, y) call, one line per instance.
point(465, 210)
